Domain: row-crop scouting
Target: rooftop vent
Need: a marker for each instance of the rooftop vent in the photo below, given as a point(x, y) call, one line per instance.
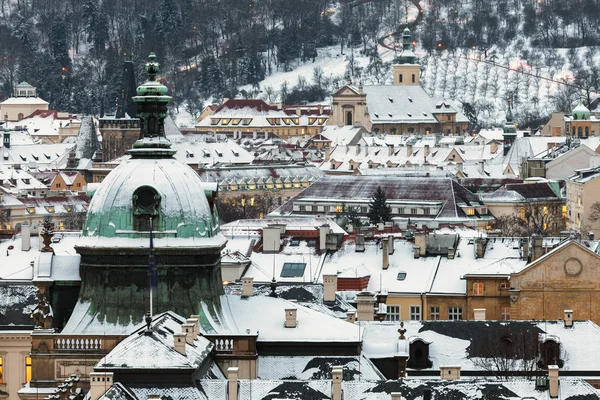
point(390, 99)
point(410, 99)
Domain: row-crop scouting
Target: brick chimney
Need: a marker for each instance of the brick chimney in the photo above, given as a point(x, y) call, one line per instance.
point(537, 250)
point(323, 231)
point(479, 314)
point(180, 340)
point(426, 151)
point(390, 150)
point(553, 380)
point(291, 317)
point(100, 382)
point(330, 287)
point(336, 384)
point(195, 320)
point(479, 247)
point(247, 286)
point(568, 318)
point(232, 383)
point(327, 154)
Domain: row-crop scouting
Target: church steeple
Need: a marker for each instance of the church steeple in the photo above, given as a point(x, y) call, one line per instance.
point(152, 102)
point(509, 130)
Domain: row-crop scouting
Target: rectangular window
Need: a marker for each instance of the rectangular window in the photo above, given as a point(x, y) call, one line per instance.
point(478, 289)
point(470, 211)
point(504, 285)
point(434, 313)
point(413, 78)
point(293, 270)
point(400, 78)
point(27, 369)
point(455, 313)
point(413, 211)
point(415, 313)
point(339, 209)
point(505, 313)
point(393, 313)
point(1, 369)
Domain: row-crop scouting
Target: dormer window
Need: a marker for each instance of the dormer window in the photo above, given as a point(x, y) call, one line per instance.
point(146, 205)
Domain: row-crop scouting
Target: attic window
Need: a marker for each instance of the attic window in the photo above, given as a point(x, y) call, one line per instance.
point(376, 115)
point(401, 276)
point(390, 114)
point(31, 210)
point(409, 114)
point(246, 121)
point(47, 155)
point(23, 157)
point(410, 99)
point(390, 99)
point(295, 243)
point(293, 270)
point(50, 209)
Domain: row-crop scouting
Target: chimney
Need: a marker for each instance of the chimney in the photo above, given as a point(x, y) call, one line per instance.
point(365, 304)
point(590, 235)
point(479, 247)
point(450, 372)
point(553, 378)
point(336, 384)
point(323, 231)
point(188, 329)
point(385, 254)
point(426, 151)
point(100, 382)
point(421, 243)
point(391, 244)
point(247, 286)
point(266, 135)
point(291, 317)
point(180, 340)
point(25, 236)
point(396, 396)
point(360, 243)
point(409, 150)
point(479, 314)
point(390, 150)
point(568, 318)
point(330, 286)
point(327, 153)
point(537, 247)
point(232, 383)
point(493, 147)
point(481, 167)
point(351, 316)
point(357, 148)
point(196, 321)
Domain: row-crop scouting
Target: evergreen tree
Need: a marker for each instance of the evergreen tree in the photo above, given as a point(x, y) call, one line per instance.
point(379, 210)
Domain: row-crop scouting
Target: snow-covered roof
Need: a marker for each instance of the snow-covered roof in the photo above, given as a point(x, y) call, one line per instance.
point(40, 156)
point(24, 100)
point(316, 368)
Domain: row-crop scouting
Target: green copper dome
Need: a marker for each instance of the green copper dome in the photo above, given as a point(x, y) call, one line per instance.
point(581, 112)
point(164, 189)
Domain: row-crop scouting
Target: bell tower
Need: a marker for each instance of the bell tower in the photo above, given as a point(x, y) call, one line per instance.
point(407, 70)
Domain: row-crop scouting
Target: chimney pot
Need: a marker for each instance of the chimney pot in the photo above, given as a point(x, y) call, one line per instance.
point(365, 304)
point(396, 396)
point(351, 316)
point(385, 255)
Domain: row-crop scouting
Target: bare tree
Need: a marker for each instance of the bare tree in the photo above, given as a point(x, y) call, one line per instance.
point(594, 212)
point(511, 226)
point(3, 217)
point(246, 206)
point(542, 218)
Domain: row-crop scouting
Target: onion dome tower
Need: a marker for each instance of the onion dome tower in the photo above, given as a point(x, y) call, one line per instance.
point(149, 198)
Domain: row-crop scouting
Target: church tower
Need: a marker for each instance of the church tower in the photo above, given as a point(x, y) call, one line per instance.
point(407, 70)
point(509, 130)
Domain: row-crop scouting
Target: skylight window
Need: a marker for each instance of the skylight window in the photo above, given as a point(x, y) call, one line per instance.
point(293, 270)
point(409, 114)
point(401, 276)
point(410, 99)
point(390, 99)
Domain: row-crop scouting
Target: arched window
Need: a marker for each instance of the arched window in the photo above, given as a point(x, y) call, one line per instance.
point(349, 118)
point(580, 131)
point(20, 116)
point(146, 206)
point(587, 131)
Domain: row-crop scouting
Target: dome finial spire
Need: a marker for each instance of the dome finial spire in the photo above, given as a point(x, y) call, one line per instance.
point(152, 67)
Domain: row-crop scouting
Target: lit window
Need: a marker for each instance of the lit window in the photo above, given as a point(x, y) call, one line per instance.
point(27, 369)
point(235, 121)
point(470, 211)
point(31, 210)
point(393, 313)
point(505, 313)
point(224, 121)
point(50, 209)
point(545, 210)
point(455, 313)
point(1, 370)
point(339, 209)
point(61, 226)
point(415, 313)
point(434, 313)
point(478, 289)
point(252, 201)
point(293, 270)
point(564, 212)
point(243, 202)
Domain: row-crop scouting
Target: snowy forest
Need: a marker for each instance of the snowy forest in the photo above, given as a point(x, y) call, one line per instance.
point(73, 50)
